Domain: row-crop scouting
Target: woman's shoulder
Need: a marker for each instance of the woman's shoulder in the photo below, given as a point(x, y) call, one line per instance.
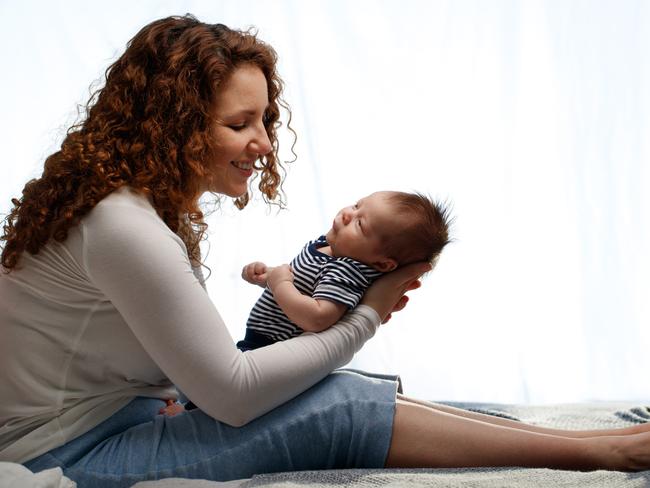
point(126, 212)
point(124, 222)
point(127, 197)
point(123, 205)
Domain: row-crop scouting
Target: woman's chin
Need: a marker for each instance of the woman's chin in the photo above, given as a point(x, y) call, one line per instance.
point(237, 194)
point(230, 192)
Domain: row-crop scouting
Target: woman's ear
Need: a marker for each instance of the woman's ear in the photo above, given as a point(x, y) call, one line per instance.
point(385, 265)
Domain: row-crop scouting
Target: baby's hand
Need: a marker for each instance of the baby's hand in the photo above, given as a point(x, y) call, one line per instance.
point(279, 274)
point(172, 408)
point(255, 273)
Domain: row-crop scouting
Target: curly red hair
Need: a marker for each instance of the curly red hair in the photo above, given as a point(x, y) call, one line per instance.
point(149, 127)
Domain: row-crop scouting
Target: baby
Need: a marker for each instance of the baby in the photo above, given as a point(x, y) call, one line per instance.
point(380, 232)
point(374, 236)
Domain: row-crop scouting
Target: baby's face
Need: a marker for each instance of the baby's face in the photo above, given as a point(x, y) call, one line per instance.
point(356, 231)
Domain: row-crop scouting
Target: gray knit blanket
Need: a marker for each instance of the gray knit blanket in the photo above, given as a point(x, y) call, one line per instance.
point(580, 416)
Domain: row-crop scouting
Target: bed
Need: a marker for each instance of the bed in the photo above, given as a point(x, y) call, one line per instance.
point(568, 416)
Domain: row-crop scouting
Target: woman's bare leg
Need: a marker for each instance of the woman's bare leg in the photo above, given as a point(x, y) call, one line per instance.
point(427, 437)
point(634, 429)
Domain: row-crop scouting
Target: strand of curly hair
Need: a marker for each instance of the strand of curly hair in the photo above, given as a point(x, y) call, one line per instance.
point(148, 128)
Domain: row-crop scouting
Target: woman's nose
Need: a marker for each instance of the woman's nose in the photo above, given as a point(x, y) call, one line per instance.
point(261, 144)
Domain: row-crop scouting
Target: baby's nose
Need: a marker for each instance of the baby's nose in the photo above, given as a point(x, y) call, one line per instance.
point(346, 215)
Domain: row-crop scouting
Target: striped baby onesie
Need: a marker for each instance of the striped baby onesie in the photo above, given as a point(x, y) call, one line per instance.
point(338, 279)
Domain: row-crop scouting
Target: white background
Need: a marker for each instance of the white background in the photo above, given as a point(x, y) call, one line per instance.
point(531, 117)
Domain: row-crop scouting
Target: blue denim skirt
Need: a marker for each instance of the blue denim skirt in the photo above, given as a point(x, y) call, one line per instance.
point(345, 421)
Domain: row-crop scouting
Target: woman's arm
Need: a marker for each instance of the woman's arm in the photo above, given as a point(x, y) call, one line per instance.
point(143, 269)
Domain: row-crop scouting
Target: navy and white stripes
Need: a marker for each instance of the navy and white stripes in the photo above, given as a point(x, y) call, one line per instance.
point(343, 280)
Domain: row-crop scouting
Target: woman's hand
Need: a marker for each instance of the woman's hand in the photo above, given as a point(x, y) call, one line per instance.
point(386, 295)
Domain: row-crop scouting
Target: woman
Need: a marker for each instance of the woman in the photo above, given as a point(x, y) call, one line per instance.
point(102, 309)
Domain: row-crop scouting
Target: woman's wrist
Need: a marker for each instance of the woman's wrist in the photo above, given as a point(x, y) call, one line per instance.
point(368, 312)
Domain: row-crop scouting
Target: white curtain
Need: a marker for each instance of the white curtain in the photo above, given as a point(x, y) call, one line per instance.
point(530, 117)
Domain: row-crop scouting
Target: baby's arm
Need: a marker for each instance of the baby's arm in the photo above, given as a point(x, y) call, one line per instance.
point(310, 314)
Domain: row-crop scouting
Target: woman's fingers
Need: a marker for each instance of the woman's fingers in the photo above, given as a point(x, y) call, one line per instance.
point(414, 285)
point(385, 294)
point(401, 303)
point(399, 306)
point(409, 276)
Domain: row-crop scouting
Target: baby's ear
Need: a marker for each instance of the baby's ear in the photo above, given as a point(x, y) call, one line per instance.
point(385, 265)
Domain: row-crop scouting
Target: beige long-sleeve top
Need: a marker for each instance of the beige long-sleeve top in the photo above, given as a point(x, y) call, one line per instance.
point(116, 312)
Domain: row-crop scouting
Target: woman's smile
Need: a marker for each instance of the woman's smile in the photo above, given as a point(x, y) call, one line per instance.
point(245, 168)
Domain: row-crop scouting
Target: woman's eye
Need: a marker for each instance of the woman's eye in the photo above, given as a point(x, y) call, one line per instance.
point(237, 127)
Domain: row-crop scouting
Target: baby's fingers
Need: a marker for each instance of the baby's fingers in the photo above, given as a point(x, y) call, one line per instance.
point(261, 279)
point(254, 272)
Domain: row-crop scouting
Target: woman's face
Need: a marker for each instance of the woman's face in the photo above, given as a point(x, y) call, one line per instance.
point(239, 131)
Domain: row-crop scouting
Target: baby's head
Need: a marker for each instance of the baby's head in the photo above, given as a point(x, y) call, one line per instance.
point(388, 229)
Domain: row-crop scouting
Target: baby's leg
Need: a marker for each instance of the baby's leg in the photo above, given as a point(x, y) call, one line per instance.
point(634, 429)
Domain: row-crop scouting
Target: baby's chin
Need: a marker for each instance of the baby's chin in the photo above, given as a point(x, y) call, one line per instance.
point(329, 235)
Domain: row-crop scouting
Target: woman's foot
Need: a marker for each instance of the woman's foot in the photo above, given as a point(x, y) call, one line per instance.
point(624, 452)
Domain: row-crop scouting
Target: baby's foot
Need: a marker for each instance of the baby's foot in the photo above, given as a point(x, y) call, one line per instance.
point(172, 408)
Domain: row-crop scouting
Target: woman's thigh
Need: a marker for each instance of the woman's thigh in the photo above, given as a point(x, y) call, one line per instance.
point(344, 421)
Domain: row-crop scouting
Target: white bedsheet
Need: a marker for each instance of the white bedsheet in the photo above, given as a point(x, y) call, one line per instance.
point(14, 475)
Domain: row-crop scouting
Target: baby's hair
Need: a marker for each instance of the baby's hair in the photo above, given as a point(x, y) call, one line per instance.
point(423, 228)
